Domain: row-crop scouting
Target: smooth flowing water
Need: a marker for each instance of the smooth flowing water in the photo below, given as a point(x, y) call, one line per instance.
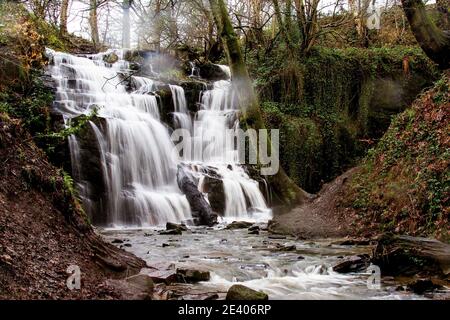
point(256, 261)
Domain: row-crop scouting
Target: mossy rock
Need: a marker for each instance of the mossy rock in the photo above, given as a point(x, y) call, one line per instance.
point(240, 292)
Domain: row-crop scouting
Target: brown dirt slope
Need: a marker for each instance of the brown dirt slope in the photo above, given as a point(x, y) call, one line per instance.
point(43, 230)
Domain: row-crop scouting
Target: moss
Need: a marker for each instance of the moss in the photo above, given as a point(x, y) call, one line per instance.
point(404, 182)
point(340, 91)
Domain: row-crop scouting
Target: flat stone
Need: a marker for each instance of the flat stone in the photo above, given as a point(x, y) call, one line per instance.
point(239, 225)
point(163, 276)
point(174, 232)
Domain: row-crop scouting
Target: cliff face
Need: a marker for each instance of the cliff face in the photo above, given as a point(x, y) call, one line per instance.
point(43, 229)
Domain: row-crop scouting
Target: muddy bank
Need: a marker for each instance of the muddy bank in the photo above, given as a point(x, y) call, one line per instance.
point(43, 230)
point(318, 218)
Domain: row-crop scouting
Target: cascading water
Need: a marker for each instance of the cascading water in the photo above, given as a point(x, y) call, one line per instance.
point(136, 152)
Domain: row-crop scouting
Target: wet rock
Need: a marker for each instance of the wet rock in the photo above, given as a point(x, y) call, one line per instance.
point(405, 255)
point(254, 227)
point(174, 226)
point(192, 91)
point(164, 245)
point(255, 232)
point(213, 72)
point(162, 276)
point(110, 58)
point(127, 245)
point(276, 237)
point(91, 175)
point(200, 208)
point(420, 286)
point(287, 248)
point(353, 264)
point(192, 275)
point(300, 258)
point(117, 241)
point(213, 186)
point(353, 242)
point(238, 225)
point(173, 232)
point(240, 292)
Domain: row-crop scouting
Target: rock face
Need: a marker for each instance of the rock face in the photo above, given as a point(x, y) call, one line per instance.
point(192, 91)
point(240, 292)
point(216, 194)
point(405, 255)
point(91, 175)
point(201, 210)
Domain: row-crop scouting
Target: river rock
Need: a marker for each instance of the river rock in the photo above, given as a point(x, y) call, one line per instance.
point(240, 292)
point(238, 225)
point(353, 264)
point(172, 232)
point(192, 275)
point(420, 286)
point(174, 226)
point(162, 276)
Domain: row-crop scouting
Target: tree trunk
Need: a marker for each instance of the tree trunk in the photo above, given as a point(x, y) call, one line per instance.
point(126, 24)
point(63, 17)
point(93, 23)
point(158, 24)
point(288, 192)
point(435, 42)
point(283, 28)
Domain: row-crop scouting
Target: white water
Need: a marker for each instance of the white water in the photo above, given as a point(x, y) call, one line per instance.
point(136, 150)
point(135, 147)
point(234, 256)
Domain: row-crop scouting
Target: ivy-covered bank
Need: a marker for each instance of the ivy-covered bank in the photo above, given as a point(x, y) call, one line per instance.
point(332, 105)
point(403, 185)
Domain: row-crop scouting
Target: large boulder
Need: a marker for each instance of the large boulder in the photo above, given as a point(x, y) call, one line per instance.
point(216, 194)
point(239, 225)
point(213, 72)
point(191, 275)
point(201, 210)
point(240, 292)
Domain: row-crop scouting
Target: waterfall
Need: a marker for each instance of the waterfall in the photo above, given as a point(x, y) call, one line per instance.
point(135, 148)
point(136, 158)
point(181, 114)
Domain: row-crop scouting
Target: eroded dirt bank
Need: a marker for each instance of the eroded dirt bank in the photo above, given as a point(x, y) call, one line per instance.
point(43, 230)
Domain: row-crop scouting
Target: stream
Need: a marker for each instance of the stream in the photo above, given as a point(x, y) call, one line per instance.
point(258, 262)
